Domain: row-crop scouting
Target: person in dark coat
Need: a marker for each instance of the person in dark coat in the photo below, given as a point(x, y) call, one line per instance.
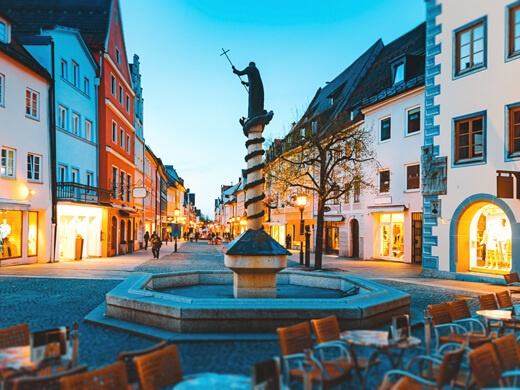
point(156, 245)
point(146, 239)
point(256, 89)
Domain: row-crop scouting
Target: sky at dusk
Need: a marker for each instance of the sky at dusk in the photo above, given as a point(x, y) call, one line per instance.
point(193, 101)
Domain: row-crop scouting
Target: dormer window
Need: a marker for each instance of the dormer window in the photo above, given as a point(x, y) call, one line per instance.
point(4, 31)
point(334, 96)
point(398, 72)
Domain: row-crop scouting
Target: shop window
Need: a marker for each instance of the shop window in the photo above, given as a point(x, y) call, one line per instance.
point(10, 234)
point(32, 243)
point(391, 239)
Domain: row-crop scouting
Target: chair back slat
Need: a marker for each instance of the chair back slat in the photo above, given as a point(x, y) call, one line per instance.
point(508, 352)
point(485, 366)
point(512, 278)
point(295, 338)
point(159, 368)
point(488, 301)
point(504, 299)
point(441, 313)
point(15, 336)
point(105, 378)
point(460, 309)
point(450, 366)
point(127, 357)
point(326, 329)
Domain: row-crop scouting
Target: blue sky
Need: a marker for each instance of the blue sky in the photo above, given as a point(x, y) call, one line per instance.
point(193, 101)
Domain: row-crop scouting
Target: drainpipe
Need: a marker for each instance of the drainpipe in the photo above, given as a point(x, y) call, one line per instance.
point(52, 136)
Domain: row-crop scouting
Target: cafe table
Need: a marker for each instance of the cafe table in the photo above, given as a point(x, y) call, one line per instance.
point(379, 341)
point(214, 381)
point(503, 316)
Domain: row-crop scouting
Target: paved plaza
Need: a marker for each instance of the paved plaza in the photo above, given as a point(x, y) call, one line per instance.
point(57, 294)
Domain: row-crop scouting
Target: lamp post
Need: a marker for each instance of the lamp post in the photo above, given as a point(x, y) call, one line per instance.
point(176, 214)
point(301, 202)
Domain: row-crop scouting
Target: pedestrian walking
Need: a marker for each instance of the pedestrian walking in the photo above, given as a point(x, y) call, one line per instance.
point(156, 245)
point(146, 239)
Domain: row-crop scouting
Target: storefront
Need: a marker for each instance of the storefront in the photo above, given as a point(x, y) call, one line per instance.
point(389, 240)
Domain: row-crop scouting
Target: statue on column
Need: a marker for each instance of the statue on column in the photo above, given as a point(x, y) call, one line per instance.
point(256, 91)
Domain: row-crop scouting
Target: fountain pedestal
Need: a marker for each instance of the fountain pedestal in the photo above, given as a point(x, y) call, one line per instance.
point(255, 258)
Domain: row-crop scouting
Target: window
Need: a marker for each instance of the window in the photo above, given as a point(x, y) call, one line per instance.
point(62, 173)
point(75, 74)
point(384, 180)
point(128, 143)
point(3, 32)
point(62, 117)
point(75, 123)
point(32, 239)
point(7, 167)
point(127, 103)
point(122, 138)
point(122, 187)
point(129, 188)
point(314, 126)
point(88, 130)
point(33, 167)
point(385, 129)
point(118, 57)
point(114, 182)
point(64, 69)
point(113, 84)
point(114, 132)
point(413, 120)
point(86, 86)
point(11, 229)
point(31, 103)
point(2, 89)
point(514, 31)
point(74, 175)
point(357, 193)
point(470, 48)
point(398, 70)
point(413, 177)
point(120, 94)
point(89, 179)
point(514, 131)
point(469, 139)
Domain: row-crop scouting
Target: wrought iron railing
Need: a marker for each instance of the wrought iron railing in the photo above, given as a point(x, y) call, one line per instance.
point(82, 193)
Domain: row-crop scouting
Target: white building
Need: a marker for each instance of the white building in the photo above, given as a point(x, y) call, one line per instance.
point(25, 179)
point(76, 84)
point(472, 137)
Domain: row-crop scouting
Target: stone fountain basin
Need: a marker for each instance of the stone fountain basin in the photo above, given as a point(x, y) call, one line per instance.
point(142, 300)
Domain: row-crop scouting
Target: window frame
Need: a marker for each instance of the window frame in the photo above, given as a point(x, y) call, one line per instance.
point(64, 69)
point(86, 86)
point(2, 90)
point(384, 185)
point(456, 122)
point(4, 163)
point(408, 112)
point(62, 173)
point(511, 53)
point(114, 132)
point(408, 188)
point(457, 33)
point(122, 137)
point(113, 85)
point(389, 119)
point(88, 130)
point(76, 123)
point(62, 117)
point(127, 103)
point(34, 160)
point(32, 104)
point(510, 110)
point(120, 94)
point(75, 74)
point(128, 143)
point(5, 38)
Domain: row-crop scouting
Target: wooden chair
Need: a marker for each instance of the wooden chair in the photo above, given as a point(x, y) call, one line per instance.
point(15, 336)
point(446, 368)
point(460, 313)
point(42, 382)
point(105, 378)
point(266, 375)
point(485, 366)
point(296, 341)
point(127, 357)
point(488, 301)
point(504, 299)
point(159, 368)
point(508, 353)
point(513, 283)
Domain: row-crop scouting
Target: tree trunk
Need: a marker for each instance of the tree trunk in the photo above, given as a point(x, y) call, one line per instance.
point(319, 236)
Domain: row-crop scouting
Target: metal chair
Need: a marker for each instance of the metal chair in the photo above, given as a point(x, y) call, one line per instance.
point(300, 364)
point(105, 378)
point(504, 299)
point(512, 282)
point(508, 353)
point(42, 382)
point(127, 357)
point(485, 367)
point(266, 375)
point(159, 368)
point(15, 336)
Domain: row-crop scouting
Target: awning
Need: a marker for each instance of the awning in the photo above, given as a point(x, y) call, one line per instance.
point(395, 208)
point(333, 218)
point(125, 213)
point(12, 204)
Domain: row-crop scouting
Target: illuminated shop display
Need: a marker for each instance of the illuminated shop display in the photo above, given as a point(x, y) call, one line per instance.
point(10, 234)
point(391, 235)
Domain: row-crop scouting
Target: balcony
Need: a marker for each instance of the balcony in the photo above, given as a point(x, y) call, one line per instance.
point(82, 193)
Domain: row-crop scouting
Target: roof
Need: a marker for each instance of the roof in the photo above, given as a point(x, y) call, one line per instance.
point(91, 17)
point(377, 84)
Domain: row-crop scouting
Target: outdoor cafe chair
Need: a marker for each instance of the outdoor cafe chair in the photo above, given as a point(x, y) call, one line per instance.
point(266, 375)
point(485, 367)
point(460, 313)
point(15, 336)
point(504, 299)
point(508, 353)
point(512, 282)
point(159, 368)
point(488, 301)
point(109, 377)
point(127, 357)
point(299, 361)
point(415, 375)
point(41, 382)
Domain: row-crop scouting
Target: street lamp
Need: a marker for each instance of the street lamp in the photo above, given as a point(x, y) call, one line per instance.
point(176, 214)
point(301, 202)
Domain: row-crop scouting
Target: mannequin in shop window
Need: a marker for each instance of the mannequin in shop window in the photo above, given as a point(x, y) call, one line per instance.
point(502, 237)
point(5, 230)
point(489, 241)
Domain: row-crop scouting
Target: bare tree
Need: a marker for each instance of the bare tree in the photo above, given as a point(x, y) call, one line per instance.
point(331, 165)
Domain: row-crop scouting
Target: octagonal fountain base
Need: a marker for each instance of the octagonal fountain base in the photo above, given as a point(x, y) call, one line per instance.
point(179, 302)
